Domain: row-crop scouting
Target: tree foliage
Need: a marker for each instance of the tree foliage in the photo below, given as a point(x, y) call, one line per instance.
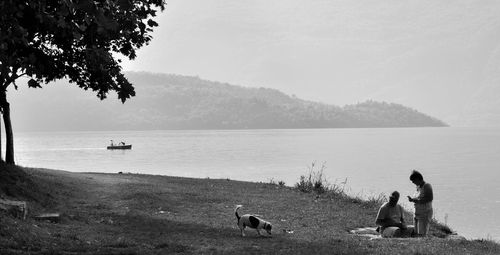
point(73, 39)
point(78, 40)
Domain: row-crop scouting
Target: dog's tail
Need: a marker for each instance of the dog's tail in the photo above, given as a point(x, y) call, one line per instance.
point(236, 212)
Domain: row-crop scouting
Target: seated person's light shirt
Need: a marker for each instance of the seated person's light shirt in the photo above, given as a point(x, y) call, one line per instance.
point(388, 212)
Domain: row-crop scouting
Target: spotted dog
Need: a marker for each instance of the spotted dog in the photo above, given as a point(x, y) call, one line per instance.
point(251, 221)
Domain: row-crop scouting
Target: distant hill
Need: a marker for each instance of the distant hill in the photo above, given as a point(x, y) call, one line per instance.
point(440, 58)
point(167, 101)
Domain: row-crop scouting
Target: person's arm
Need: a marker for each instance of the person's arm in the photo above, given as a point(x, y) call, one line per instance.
point(403, 223)
point(381, 217)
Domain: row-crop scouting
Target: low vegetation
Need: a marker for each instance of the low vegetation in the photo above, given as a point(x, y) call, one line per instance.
point(145, 214)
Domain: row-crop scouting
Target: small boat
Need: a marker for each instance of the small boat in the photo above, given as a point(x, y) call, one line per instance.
point(120, 146)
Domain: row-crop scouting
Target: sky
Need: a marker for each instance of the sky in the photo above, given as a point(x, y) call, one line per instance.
point(439, 57)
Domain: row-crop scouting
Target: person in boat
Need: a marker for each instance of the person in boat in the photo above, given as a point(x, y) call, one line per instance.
point(122, 143)
point(112, 143)
point(422, 201)
point(390, 219)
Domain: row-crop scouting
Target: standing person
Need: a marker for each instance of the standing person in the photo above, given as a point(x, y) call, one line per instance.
point(423, 203)
point(390, 218)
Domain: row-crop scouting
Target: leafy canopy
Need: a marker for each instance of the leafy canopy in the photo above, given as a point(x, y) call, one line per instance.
point(74, 39)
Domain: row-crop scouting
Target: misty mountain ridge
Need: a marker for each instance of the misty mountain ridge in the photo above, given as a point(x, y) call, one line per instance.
point(167, 101)
point(440, 58)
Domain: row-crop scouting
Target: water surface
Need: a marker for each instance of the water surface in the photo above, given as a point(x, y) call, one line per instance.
point(461, 163)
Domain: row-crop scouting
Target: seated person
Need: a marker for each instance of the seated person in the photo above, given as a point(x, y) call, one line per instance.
point(390, 219)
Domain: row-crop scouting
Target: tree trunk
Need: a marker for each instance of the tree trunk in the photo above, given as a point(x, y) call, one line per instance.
point(1, 158)
point(3, 99)
point(9, 137)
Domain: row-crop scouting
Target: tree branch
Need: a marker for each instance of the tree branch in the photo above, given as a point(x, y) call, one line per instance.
point(12, 78)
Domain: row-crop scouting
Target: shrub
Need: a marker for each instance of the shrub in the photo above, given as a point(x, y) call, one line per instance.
point(314, 182)
point(279, 183)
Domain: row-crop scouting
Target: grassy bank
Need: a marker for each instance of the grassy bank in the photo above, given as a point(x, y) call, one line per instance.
point(145, 214)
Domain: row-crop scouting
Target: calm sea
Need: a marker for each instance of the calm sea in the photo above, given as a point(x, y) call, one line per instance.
point(462, 164)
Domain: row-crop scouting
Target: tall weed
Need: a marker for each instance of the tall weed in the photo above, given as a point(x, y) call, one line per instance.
point(314, 181)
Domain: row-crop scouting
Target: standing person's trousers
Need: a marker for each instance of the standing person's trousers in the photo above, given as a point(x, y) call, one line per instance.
point(422, 222)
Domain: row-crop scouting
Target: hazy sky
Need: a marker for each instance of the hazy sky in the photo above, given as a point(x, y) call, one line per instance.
point(440, 57)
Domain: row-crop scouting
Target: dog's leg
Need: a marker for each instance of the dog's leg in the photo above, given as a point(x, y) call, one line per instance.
point(242, 229)
point(258, 231)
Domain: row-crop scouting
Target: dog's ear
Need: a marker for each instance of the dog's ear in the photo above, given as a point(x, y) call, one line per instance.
point(269, 227)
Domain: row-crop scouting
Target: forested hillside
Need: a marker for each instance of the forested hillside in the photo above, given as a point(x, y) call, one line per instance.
point(166, 101)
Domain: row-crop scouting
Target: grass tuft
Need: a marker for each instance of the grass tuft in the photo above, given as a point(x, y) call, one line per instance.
point(314, 181)
point(279, 183)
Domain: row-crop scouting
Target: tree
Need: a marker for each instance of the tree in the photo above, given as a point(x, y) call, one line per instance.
point(78, 40)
